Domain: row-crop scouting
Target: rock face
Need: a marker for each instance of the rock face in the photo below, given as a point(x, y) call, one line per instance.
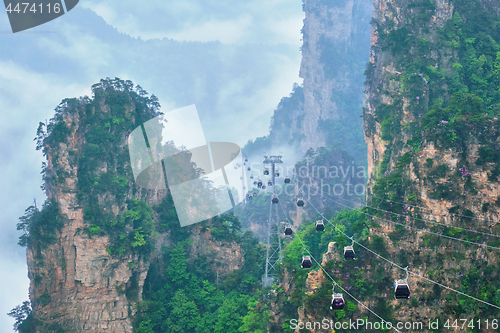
point(384, 88)
point(75, 283)
point(329, 29)
point(79, 282)
point(388, 13)
point(444, 184)
point(335, 45)
point(227, 256)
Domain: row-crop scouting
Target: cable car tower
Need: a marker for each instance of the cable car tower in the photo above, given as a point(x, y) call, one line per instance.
point(273, 255)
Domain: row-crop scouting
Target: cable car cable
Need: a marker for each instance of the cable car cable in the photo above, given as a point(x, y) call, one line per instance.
point(429, 280)
point(442, 211)
point(422, 230)
point(416, 218)
point(345, 291)
point(407, 226)
point(393, 263)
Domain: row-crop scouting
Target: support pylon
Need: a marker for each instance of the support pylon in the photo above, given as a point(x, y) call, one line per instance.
point(273, 255)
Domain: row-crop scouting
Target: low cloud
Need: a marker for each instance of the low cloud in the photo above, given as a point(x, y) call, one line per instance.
point(26, 98)
point(255, 21)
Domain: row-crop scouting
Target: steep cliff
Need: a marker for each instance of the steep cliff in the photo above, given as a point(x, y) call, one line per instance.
point(334, 43)
point(325, 110)
point(431, 125)
point(90, 247)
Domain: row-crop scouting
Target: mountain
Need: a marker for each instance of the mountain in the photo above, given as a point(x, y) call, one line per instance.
point(326, 110)
point(100, 243)
point(431, 125)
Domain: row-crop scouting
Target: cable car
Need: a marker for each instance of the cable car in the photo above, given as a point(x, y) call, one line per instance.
point(277, 174)
point(263, 187)
point(255, 182)
point(266, 171)
point(254, 193)
point(306, 262)
point(251, 176)
point(401, 289)
point(337, 302)
point(275, 199)
point(259, 183)
point(248, 169)
point(269, 183)
point(300, 202)
point(320, 226)
point(287, 180)
point(288, 230)
point(349, 253)
point(246, 159)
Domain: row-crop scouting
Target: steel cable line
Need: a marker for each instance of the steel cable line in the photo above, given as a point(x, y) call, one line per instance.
point(393, 263)
point(410, 227)
point(422, 230)
point(335, 283)
point(345, 291)
point(416, 218)
point(429, 280)
point(429, 209)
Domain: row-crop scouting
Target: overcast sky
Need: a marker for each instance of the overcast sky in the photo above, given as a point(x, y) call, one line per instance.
point(229, 21)
point(236, 83)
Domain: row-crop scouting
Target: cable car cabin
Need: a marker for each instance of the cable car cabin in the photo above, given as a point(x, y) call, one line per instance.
point(337, 302)
point(401, 289)
point(287, 180)
point(248, 169)
point(269, 183)
point(263, 187)
point(246, 159)
point(288, 230)
point(320, 226)
point(251, 176)
point(275, 199)
point(266, 171)
point(255, 182)
point(277, 174)
point(250, 197)
point(259, 184)
point(254, 193)
point(300, 202)
point(306, 262)
point(349, 253)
